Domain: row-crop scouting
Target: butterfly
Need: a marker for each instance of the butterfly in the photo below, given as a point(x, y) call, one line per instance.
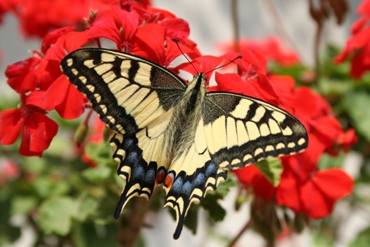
point(176, 135)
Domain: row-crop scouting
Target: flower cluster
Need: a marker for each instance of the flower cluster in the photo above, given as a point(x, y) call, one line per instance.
point(132, 27)
point(358, 46)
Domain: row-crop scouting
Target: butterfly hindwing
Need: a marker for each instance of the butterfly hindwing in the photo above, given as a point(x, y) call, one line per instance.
point(191, 175)
point(242, 130)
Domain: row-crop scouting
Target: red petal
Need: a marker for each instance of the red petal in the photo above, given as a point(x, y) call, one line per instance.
point(246, 174)
point(176, 28)
point(327, 129)
point(20, 76)
point(38, 132)
point(364, 8)
point(149, 43)
point(36, 99)
point(117, 25)
point(288, 193)
point(202, 64)
point(52, 37)
point(252, 176)
point(334, 183)
point(64, 98)
point(11, 122)
point(316, 204)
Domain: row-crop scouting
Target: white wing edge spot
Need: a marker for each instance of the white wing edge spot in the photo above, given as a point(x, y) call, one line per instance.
point(280, 145)
point(97, 98)
point(74, 71)
point(69, 62)
point(258, 151)
point(247, 157)
point(104, 109)
point(301, 141)
point(291, 145)
point(269, 148)
point(91, 88)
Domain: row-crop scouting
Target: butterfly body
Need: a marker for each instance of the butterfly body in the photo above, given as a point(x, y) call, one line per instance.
point(175, 134)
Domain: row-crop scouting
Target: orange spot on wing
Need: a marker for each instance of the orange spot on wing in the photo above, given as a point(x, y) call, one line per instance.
point(168, 181)
point(160, 177)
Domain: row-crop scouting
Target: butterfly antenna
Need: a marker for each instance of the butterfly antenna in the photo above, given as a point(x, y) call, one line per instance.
point(178, 46)
point(223, 65)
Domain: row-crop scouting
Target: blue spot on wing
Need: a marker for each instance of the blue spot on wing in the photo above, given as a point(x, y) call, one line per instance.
point(185, 184)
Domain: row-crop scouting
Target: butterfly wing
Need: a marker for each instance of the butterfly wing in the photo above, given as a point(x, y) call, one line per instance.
point(135, 98)
point(242, 130)
point(126, 91)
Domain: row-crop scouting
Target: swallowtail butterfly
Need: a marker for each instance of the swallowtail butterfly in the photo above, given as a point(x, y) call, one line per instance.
point(176, 135)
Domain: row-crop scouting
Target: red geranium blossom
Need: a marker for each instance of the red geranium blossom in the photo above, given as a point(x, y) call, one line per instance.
point(60, 94)
point(270, 47)
point(37, 129)
point(37, 18)
point(8, 171)
point(358, 46)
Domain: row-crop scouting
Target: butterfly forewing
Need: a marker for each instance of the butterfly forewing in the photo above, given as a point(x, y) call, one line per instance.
point(242, 130)
point(126, 91)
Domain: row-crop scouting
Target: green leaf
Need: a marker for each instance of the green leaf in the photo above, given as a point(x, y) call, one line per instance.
point(56, 215)
point(191, 220)
point(362, 240)
point(8, 233)
point(100, 153)
point(224, 187)
point(46, 186)
point(327, 161)
point(93, 235)
point(34, 165)
point(23, 204)
point(272, 169)
point(356, 105)
point(211, 205)
point(99, 174)
point(87, 207)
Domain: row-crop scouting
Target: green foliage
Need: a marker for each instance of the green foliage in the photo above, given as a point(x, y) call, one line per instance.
point(354, 104)
point(272, 169)
point(56, 215)
point(362, 240)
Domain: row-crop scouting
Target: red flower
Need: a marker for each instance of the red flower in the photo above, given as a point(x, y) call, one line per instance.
point(117, 25)
point(4, 7)
point(270, 47)
point(251, 79)
point(37, 18)
point(96, 137)
point(358, 46)
point(20, 75)
point(60, 94)
point(317, 194)
point(251, 176)
point(8, 170)
point(37, 129)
